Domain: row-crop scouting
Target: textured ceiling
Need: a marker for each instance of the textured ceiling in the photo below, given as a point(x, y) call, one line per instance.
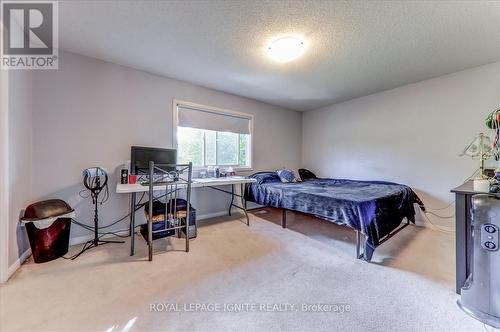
point(355, 48)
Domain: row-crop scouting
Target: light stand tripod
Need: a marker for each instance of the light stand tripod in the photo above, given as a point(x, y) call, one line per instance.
point(92, 178)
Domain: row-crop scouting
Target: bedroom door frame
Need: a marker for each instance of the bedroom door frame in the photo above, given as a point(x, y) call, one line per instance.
point(4, 174)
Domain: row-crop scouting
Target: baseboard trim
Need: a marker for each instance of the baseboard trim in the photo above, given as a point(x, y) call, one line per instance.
point(17, 264)
point(84, 238)
point(212, 215)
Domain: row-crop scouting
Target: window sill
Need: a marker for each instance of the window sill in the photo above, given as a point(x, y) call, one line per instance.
point(236, 169)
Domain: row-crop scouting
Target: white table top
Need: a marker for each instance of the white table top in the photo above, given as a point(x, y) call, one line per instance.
point(197, 183)
point(222, 181)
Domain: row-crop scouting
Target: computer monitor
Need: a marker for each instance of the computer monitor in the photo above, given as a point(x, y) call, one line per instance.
point(141, 156)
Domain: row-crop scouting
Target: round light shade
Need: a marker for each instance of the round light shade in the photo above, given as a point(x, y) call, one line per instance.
point(286, 49)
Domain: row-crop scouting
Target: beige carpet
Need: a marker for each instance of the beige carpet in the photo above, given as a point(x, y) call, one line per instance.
point(409, 287)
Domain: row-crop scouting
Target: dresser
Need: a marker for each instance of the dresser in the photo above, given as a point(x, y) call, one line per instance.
point(463, 235)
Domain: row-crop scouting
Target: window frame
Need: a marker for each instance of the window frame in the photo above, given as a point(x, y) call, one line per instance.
point(216, 110)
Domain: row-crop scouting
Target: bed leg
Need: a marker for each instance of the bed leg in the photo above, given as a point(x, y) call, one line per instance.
point(358, 245)
point(283, 218)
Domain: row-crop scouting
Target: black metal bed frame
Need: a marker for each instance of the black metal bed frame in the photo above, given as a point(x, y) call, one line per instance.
point(359, 238)
point(360, 241)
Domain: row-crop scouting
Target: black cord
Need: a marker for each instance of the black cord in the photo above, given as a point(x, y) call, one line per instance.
point(90, 243)
point(106, 194)
point(85, 247)
point(83, 191)
point(89, 228)
point(112, 233)
point(139, 206)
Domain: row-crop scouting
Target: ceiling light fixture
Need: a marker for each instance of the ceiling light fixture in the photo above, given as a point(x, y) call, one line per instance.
point(286, 49)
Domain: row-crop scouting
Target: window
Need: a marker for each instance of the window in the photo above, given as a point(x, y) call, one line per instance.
point(210, 137)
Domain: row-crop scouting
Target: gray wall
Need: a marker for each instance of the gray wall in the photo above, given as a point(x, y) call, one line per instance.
point(89, 113)
point(412, 134)
point(20, 151)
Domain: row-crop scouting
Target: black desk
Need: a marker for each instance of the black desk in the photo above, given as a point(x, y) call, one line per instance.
point(463, 238)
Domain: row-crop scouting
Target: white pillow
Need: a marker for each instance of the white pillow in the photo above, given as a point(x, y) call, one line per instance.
point(287, 175)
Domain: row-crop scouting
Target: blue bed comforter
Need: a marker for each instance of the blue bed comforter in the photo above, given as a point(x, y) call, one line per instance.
point(374, 208)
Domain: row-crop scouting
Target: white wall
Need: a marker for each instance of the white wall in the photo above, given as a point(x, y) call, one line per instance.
point(20, 152)
point(89, 113)
point(4, 173)
point(412, 134)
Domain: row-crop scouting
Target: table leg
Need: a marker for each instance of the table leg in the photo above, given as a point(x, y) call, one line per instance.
point(461, 241)
point(243, 202)
point(130, 209)
point(132, 223)
point(232, 200)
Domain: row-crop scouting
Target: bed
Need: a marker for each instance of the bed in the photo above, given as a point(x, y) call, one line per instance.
point(375, 209)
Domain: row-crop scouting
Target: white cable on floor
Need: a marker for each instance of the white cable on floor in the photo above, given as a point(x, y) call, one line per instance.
point(488, 330)
point(443, 230)
point(439, 209)
point(444, 208)
point(441, 217)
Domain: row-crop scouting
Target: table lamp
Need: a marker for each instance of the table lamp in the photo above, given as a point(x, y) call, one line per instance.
point(480, 148)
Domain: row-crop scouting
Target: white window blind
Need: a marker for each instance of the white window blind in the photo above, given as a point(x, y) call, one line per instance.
point(192, 117)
